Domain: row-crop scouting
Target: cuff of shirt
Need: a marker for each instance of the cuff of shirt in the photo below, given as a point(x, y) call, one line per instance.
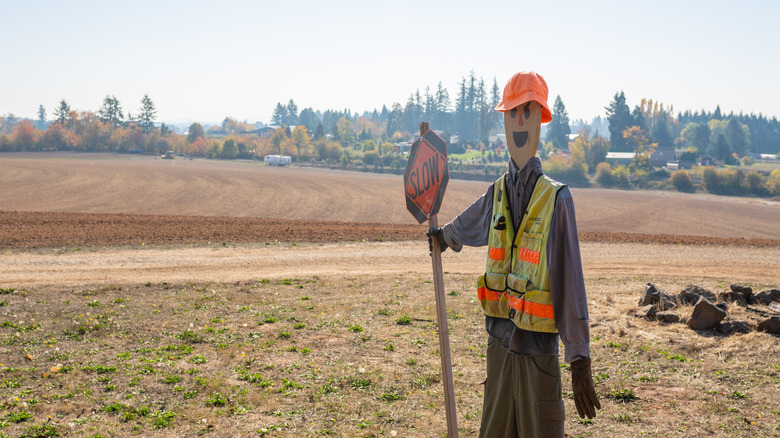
point(576, 351)
point(448, 238)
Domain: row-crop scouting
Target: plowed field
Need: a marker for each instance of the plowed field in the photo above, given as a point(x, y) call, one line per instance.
point(53, 200)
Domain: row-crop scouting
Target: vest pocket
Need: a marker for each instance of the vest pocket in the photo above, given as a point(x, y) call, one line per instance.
point(529, 252)
point(517, 284)
point(495, 282)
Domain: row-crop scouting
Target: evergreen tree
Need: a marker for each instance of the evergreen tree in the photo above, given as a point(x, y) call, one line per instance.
point(292, 114)
point(148, 114)
point(62, 112)
point(280, 114)
point(309, 119)
point(639, 118)
point(558, 130)
point(495, 98)
point(41, 117)
point(429, 107)
point(394, 119)
point(442, 116)
point(619, 117)
point(660, 133)
point(720, 148)
point(319, 132)
point(111, 112)
point(412, 114)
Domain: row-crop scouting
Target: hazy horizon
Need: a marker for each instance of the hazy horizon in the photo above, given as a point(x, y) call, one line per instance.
point(203, 62)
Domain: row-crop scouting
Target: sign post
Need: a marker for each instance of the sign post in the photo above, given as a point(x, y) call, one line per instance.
point(425, 180)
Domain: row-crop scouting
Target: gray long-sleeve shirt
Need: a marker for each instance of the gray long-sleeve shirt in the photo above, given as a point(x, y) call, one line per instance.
point(567, 285)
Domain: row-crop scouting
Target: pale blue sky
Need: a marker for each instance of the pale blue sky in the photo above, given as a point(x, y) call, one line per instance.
point(204, 61)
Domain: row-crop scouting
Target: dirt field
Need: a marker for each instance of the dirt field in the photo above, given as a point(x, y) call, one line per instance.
point(142, 297)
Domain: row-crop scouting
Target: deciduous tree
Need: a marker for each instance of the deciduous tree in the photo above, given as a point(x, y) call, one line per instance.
point(636, 140)
point(195, 132)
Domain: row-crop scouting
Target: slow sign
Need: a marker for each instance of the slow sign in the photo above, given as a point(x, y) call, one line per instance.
point(426, 176)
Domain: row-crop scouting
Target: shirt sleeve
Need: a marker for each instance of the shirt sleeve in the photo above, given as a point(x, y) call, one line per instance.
point(567, 284)
point(472, 226)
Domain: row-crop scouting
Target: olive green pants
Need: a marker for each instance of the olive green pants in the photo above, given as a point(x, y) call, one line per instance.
point(522, 395)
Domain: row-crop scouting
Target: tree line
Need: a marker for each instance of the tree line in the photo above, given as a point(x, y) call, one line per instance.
point(372, 137)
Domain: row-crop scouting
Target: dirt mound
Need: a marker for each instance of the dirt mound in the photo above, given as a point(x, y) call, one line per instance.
point(46, 230)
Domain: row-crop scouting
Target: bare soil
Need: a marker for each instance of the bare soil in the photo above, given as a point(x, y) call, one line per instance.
point(73, 200)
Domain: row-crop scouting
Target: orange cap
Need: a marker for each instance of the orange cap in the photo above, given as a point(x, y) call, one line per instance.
point(525, 87)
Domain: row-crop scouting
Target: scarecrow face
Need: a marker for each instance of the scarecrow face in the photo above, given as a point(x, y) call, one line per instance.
point(522, 125)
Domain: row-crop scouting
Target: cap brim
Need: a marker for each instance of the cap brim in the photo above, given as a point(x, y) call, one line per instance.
point(515, 101)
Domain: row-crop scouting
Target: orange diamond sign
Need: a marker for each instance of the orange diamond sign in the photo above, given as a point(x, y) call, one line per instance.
point(426, 176)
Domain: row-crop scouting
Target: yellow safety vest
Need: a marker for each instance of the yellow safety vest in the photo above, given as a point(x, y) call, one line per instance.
point(516, 283)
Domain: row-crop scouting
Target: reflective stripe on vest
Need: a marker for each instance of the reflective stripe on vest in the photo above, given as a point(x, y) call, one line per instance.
point(516, 283)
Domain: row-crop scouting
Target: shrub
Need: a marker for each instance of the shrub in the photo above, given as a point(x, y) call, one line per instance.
point(604, 174)
point(620, 177)
point(753, 183)
point(566, 170)
point(682, 181)
point(710, 178)
point(773, 183)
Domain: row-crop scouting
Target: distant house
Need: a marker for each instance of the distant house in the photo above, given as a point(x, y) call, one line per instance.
point(763, 156)
point(264, 132)
point(706, 160)
point(403, 147)
point(661, 156)
point(685, 164)
point(451, 140)
point(620, 158)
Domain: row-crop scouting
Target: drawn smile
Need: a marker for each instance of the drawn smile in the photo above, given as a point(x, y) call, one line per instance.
point(520, 138)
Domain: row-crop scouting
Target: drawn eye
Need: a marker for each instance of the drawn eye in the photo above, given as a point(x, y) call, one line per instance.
point(527, 110)
point(513, 112)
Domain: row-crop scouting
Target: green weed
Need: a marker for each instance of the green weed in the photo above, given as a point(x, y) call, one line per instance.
point(404, 320)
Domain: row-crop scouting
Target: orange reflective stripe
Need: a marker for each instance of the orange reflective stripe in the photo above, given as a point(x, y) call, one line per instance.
point(484, 293)
point(531, 308)
point(496, 254)
point(540, 310)
point(528, 255)
point(516, 303)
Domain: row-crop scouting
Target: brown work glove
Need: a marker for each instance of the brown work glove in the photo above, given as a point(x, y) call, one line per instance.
point(582, 385)
point(438, 232)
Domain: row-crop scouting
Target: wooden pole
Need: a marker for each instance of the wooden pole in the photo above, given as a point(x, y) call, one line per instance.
point(441, 318)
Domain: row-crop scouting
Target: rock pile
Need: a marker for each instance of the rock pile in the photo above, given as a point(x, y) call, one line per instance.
point(709, 310)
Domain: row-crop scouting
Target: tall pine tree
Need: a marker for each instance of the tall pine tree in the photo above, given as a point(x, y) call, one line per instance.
point(559, 130)
point(619, 117)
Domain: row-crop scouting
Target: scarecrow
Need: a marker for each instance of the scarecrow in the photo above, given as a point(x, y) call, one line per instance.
point(532, 291)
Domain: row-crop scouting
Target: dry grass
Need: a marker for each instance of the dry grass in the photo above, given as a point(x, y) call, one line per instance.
point(334, 356)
